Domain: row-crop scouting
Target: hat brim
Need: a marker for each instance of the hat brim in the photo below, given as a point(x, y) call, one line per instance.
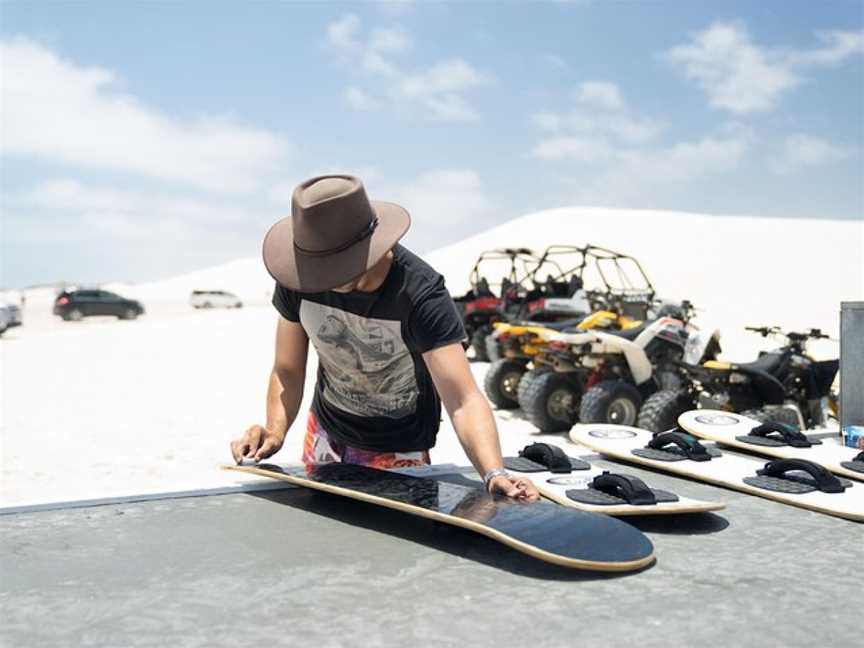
point(306, 273)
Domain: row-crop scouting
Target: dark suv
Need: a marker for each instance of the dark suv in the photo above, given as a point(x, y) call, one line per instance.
point(76, 304)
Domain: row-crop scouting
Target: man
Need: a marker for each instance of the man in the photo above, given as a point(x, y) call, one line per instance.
point(388, 339)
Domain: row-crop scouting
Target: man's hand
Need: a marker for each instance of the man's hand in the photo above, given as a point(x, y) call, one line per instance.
point(516, 487)
point(257, 443)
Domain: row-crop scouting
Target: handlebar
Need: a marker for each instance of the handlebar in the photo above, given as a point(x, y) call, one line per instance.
point(794, 336)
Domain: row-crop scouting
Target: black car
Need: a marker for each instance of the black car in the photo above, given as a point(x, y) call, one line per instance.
point(76, 304)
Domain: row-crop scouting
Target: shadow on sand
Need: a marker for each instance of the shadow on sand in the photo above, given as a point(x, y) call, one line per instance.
point(428, 533)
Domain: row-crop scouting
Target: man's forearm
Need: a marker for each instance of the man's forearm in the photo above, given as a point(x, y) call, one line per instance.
point(475, 427)
point(283, 400)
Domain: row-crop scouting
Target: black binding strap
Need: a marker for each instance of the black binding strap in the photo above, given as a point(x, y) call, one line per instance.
point(631, 489)
point(789, 434)
point(823, 480)
point(856, 464)
point(547, 455)
point(691, 448)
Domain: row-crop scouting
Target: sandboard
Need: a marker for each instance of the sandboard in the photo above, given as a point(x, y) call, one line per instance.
point(576, 483)
point(783, 482)
point(774, 440)
point(543, 530)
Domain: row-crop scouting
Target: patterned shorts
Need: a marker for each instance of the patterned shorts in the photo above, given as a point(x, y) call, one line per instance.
point(319, 447)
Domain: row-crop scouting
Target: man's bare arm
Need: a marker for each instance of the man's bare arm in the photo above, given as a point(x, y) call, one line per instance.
point(471, 416)
point(284, 394)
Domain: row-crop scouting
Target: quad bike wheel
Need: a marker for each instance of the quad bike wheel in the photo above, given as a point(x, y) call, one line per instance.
point(551, 401)
point(661, 410)
point(530, 375)
point(502, 383)
point(478, 343)
point(611, 401)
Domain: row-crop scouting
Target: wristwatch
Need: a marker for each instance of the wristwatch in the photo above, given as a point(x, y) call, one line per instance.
point(492, 474)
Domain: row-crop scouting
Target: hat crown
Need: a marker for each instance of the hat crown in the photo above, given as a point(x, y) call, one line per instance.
point(330, 213)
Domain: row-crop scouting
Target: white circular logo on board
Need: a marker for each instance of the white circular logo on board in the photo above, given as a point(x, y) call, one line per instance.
point(611, 433)
point(716, 419)
point(570, 481)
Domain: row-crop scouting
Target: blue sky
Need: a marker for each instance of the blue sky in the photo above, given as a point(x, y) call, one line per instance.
point(140, 140)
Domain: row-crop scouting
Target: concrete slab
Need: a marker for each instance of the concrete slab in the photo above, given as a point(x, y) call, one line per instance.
point(296, 567)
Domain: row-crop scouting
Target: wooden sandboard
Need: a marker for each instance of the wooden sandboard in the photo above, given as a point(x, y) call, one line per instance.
point(728, 470)
point(555, 487)
point(542, 530)
point(724, 427)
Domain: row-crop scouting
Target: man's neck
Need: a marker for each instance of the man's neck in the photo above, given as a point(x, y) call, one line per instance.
point(375, 276)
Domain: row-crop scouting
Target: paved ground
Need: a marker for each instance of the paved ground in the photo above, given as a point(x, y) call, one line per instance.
point(296, 567)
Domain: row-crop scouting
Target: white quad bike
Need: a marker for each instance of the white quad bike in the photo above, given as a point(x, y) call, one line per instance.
point(603, 376)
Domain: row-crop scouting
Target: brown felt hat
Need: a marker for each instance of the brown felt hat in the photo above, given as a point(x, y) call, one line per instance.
point(333, 235)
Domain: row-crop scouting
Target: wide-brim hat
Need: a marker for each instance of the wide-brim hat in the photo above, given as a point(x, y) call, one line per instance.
point(333, 235)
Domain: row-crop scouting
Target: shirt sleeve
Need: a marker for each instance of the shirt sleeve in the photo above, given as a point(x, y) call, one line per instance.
point(286, 302)
point(434, 321)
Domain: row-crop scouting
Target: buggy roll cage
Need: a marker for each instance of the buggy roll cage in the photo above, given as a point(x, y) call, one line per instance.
point(523, 262)
point(607, 263)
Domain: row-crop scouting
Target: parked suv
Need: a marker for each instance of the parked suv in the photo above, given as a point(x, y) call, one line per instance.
point(10, 316)
point(76, 304)
point(213, 299)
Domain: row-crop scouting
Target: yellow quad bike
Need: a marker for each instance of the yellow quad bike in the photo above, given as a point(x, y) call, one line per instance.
point(526, 343)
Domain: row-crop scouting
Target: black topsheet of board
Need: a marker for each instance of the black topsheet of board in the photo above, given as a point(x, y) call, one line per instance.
point(553, 528)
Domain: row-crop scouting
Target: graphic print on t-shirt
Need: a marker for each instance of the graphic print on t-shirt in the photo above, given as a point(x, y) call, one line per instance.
point(368, 370)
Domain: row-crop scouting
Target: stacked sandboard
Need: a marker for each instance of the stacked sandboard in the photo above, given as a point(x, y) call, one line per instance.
point(577, 484)
point(790, 478)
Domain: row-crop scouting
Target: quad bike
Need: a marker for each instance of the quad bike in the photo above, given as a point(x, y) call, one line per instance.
point(603, 376)
point(519, 345)
point(785, 385)
point(486, 303)
point(619, 287)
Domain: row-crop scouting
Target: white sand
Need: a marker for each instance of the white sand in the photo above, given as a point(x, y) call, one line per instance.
point(106, 408)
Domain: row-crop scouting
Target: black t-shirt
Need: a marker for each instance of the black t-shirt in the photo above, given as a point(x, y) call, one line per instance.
point(373, 389)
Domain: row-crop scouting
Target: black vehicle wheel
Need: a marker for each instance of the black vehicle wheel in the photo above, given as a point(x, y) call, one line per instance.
point(776, 414)
point(75, 315)
point(551, 401)
point(661, 410)
point(478, 343)
point(611, 401)
point(502, 383)
point(529, 377)
point(128, 314)
point(493, 349)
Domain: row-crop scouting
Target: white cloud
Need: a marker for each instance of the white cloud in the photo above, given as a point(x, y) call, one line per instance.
point(643, 173)
point(440, 89)
point(342, 33)
point(59, 111)
point(138, 207)
point(742, 77)
point(838, 46)
point(556, 61)
point(600, 94)
point(359, 99)
point(586, 150)
point(548, 121)
point(454, 75)
point(442, 198)
point(800, 150)
point(389, 40)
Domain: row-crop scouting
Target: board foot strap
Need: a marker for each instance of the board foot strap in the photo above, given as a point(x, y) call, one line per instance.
point(614, 488)
point(773, 476)
point(772, 433)
point(544, 457)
